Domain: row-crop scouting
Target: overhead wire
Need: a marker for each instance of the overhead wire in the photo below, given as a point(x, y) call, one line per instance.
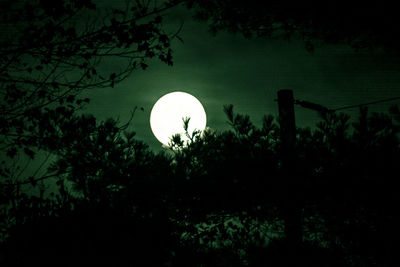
point(366, 104)
point(321, 108)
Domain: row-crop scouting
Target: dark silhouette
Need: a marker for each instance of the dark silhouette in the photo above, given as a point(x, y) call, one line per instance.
point(361, 25)
point(51, 51)
point(219, 200)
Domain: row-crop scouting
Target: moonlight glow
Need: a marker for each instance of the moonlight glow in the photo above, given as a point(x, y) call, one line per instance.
point(166, 118)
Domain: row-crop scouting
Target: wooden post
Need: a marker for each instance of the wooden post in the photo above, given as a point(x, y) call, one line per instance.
point(287, 122)
point(291, 207)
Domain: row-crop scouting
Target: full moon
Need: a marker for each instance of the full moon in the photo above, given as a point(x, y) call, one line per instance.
point(167, 114)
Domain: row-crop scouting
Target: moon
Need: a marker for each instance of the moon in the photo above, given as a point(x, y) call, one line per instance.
point(167, 114)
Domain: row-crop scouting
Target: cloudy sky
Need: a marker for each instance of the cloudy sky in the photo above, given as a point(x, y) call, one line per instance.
point(229, 69)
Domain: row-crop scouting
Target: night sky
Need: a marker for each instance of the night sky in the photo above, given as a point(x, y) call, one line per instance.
point(229, 69)
point(332, 199)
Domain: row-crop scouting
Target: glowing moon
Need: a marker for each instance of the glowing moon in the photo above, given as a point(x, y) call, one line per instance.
point(167, 114)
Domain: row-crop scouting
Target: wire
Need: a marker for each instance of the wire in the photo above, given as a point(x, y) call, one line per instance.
point(365, 104)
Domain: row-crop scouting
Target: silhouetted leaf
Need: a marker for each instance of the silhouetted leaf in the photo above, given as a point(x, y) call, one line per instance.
point(11, 152)
point(29, 152)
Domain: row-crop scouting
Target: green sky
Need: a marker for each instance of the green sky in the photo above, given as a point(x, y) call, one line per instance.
point(228, 69)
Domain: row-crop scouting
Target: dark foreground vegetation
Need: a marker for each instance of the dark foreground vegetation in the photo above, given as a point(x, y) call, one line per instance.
point(219, 200)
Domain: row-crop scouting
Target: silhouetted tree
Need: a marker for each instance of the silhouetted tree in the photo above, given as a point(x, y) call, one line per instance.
point(219, 199)
point(366, 25)
point(50, 51)
point(112, 203)
point(345, 183)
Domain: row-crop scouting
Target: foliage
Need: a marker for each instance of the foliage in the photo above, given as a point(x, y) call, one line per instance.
point(51, 51)
point(217, 199)
point(366, 25)
point(109, 185)
point(344, 186)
